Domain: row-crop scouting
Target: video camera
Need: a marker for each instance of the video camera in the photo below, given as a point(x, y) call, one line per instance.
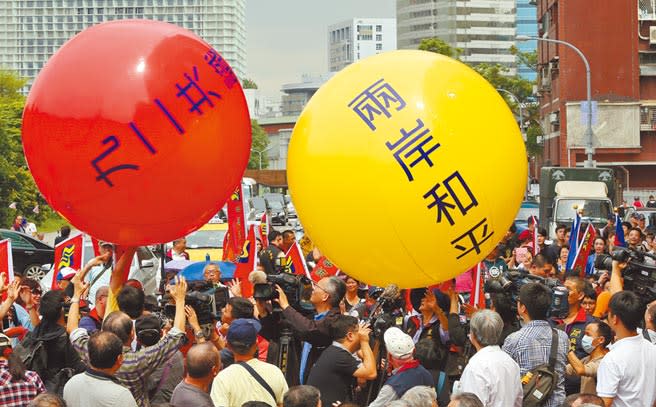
point(509, 282)
point(387, 310)
point(206, 300)
point(297, 288)
point(639, 276)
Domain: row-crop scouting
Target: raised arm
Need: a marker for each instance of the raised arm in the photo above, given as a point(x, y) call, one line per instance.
point(121, 270)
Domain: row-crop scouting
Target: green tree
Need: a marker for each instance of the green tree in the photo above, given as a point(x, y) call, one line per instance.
point(440, 47)
point(16, 182)
point(499, 77)
point(249, 84)
point(260, 143)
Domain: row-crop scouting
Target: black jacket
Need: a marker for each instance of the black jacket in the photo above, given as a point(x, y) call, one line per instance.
point(303, 329)
point(61, 353)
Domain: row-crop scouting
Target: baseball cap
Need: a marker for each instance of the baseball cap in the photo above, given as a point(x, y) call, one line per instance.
point(4, 340)
point(66, 273)
point(244, 330)
point(148, 329)
point(398, 344)
point(525, 235)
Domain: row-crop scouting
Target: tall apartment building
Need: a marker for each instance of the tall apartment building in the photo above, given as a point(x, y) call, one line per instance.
point(358, 38)
point(619, 41)
point(527, 24)
point(484, 29)
point(31, 31)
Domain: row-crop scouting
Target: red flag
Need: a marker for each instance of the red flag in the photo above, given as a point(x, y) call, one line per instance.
point(477, 297)
point(6, 261)
point(294, 262)
point(264, 230)
point(585, 247)
point(68, 253)
point(323, 268)
point(236, 224)
point(246, 263)
point(228, 252)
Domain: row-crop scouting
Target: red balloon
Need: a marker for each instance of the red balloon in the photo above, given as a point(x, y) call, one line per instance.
point(136, 131)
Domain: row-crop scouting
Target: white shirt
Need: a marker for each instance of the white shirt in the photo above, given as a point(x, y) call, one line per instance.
point(627, 373)
point(493, 376)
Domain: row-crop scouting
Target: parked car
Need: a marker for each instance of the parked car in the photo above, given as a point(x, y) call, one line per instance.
point(145, 267)
point(207, 240)
point(258, 206)
point(291, 211)
point(278, 207)
point(528, 209)
point(28, 253)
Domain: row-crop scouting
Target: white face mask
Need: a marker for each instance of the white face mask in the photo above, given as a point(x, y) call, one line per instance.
point(586, 343)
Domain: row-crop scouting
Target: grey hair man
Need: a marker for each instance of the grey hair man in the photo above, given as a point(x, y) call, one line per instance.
point(465, 400)
point(491, 374)
point(421, 396)
point(302, 396)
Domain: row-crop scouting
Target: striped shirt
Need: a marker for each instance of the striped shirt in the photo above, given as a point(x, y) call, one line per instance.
point(137, 366)
point(530, 347)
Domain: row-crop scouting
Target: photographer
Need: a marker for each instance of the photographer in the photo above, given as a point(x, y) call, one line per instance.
point(326, 296)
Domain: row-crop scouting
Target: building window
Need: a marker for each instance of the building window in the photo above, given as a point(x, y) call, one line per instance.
point(379, 37)
point(379, 47)
point(379, 28)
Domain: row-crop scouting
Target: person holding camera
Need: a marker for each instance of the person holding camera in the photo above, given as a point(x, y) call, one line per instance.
point(334, 373)
point(312, 332)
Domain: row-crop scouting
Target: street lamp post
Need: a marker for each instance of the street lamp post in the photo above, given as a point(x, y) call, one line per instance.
point(259, 153)
point(589, 149)
point(521, 110)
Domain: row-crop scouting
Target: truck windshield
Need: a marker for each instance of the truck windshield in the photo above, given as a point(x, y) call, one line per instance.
point(593, 210)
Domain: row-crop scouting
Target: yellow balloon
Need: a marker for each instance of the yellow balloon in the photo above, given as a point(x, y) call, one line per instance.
point(407, 167)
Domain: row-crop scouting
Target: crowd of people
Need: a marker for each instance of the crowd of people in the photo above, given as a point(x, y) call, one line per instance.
point(354, 346)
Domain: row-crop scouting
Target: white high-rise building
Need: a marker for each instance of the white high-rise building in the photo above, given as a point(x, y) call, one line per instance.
point(358, 38)
point(484, 29)
point(31, 31)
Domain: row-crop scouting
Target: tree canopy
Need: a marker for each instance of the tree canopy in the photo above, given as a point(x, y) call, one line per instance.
point(498, 77)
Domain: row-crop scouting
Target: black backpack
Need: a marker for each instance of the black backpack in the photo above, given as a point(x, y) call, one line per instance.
point(32, 352)
point(539, 382)
point(34, 355)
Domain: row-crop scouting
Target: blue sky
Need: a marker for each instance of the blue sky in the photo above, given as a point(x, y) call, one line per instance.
point(287, 38)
